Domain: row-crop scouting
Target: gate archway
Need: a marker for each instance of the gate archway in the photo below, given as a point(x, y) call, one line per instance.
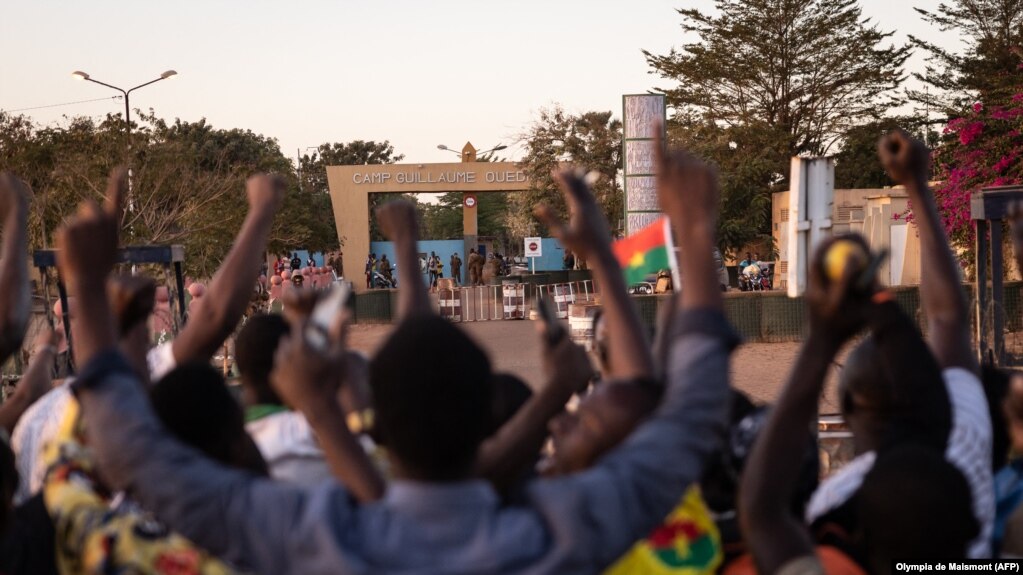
point(350, 187)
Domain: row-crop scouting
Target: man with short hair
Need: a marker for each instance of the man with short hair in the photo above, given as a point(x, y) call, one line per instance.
point(435, 517)
point(296, 262)
point(943, 406)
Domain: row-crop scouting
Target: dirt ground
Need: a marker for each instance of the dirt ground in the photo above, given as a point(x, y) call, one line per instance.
point(758, 369)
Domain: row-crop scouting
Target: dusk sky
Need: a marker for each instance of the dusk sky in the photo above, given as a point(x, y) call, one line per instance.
point(306, 72)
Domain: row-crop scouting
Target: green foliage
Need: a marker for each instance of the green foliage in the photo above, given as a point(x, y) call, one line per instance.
point(443, 220)
point(188, 182)
point(987, 69)
point(765, 80)
point(809, 68)
point(745, 157)
point(313, 173)
point(592, 140)
point(856, 165)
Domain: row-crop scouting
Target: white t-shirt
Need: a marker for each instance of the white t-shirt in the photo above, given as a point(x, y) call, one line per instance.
point(41, 422)
point(289, 447)
point(968, 449)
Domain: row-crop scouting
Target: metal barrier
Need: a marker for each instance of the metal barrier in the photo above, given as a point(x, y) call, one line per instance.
point(507, 301)
point(483, 303)
point(566, 294)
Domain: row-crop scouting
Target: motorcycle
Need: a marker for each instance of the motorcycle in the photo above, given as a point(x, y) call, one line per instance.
point(766, 277)
point(751, 279)
point(381, 282)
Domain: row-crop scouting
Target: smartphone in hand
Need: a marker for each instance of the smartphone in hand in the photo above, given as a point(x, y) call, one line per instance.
point(317, 330)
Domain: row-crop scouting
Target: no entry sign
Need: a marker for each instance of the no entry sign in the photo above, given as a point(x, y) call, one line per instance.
point(533, 248)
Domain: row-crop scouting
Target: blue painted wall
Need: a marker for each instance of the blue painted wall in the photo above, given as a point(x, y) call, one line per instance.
point(443, 248)
point(553, 255)
point(304, 256)
point(551, 260)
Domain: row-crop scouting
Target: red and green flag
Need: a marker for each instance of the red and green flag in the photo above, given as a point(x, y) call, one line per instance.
point(646, 252)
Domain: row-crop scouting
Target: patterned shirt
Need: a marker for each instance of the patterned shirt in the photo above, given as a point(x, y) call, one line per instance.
point(94, 539)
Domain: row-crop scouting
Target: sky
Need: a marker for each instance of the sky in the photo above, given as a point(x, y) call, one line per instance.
point(418, 73)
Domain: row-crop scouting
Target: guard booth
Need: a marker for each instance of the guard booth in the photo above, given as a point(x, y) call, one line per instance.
point(170, 258)
point(989, 208)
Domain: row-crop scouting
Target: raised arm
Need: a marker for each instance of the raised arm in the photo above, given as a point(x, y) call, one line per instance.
point(587, 235)
point(398, 223)
point(632, 489)
point(34, 383)
point(231, 287)
point(308, 380)
point(509, 452)
point(774, 534)
point(247, 521)
point(14, 298)
point(907, 161)
point(688, 194)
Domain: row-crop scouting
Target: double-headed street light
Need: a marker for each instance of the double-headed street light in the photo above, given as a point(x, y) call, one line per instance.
point(464, 154)
point(79, 75)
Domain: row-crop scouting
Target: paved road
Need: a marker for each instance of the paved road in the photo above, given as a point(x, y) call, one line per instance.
point(758, 369)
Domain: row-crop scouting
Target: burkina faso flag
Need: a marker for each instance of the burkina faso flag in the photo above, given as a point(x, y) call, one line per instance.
point(645, 252)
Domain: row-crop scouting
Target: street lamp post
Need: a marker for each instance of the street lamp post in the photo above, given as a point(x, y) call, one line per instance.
point(470, 222)
point(79, 75)
point(298, 156)
point(465, 155)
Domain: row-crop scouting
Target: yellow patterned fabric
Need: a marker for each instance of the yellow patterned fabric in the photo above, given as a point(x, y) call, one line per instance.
point(93, 538)
point(687, 543)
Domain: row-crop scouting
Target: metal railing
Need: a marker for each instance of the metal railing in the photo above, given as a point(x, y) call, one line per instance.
point(565, 294)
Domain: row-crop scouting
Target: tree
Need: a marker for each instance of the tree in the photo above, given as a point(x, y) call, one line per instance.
point(443, 220)
point(766, 80)
point(983, 148)
point(592, 140)
point(188, 182)
point(856, 165)
point(745, 156)
point(987, 69)
point(313, 173)
point(809, 68)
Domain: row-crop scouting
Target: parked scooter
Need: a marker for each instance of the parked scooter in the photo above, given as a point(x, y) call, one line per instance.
point(380, 281)
point(766, 277)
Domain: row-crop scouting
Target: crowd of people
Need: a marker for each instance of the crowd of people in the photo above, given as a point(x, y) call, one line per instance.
point(424, 459)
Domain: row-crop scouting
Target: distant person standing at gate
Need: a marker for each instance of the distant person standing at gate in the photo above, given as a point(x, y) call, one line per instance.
point(569, 260)
point(296, 262)
point(480, 263)
point(431, 265)
point(370, 261)
point(471, 263)
point(456, 268)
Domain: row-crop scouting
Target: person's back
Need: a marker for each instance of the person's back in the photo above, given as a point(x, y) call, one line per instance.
point(296, 262)
point(578, 523)
point(436, 517)
point(283, 437)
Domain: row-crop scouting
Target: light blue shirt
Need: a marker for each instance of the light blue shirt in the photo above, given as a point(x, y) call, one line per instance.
point(579, 523)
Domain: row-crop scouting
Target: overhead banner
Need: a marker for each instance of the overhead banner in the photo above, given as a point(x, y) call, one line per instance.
point(643, 115)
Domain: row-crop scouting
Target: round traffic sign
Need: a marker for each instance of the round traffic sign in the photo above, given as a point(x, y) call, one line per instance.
point(469, 201)
point(533, 247)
